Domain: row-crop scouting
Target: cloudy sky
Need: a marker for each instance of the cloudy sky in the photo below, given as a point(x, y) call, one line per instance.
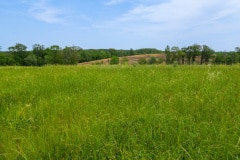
point(120, 24)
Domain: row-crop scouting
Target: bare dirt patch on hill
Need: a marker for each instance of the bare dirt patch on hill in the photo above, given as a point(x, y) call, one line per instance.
point(131, 59)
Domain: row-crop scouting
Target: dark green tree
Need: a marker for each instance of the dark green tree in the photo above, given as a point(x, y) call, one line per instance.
point(219, 58)
point(39, 52)
point(114, 60)
point(6, 59)
point(206, 54)
point(191, 52)
point(31, 60)
point(104, 54)
point(237, 49)
point(19, 52)
point(174, 51)
point(54, 55)
point(131, 52)
point(113, 52)
point(168, 55)
point(196, 51)
point(181, 56)
point(71, 55)
point(2, 59)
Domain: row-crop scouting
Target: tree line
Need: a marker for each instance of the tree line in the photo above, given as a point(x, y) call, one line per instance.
point(205, 54)
point(40, 55)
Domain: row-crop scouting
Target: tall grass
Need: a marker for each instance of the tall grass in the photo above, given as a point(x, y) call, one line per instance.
point(120, 112)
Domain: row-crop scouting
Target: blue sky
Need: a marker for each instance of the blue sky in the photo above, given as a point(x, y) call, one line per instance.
point(120, 24)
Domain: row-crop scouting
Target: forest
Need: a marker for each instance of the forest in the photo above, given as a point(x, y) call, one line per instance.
point(39, 55)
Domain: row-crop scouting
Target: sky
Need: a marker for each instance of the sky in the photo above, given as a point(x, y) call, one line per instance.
point(120, 24)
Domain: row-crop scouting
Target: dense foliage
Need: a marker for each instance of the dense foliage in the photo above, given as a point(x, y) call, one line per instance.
point(39, 55)
point(207, 55)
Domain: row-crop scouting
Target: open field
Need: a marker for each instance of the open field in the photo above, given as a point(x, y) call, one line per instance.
point(120, 112)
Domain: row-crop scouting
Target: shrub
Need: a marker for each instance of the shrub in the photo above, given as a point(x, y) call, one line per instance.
point(160, 61)
point(152, 60)
point(142, 60)
point(114, 60)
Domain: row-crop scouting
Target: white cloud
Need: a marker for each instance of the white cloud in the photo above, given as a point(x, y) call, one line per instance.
point(114, 2)
point(41, 11)
point(178, 15)
point(180, 22)
point(169, 12)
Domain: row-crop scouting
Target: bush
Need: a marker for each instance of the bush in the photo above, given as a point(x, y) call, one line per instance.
point(142, 61)
point(152, 60)
point(114, 60)
point(160, 61)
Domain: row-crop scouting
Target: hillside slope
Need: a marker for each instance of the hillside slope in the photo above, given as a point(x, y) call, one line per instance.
point(131, 59)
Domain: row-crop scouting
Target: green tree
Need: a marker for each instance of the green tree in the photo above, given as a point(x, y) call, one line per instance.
point(84, 56)
point(191, 52)
point(181, 57)
point(7, 59)
point(232, 58)
point(71, 55)
point(114, 60)
point(168, 55)
point(2, 59)
point(237, 49)
point(39, 52)
point(196, 51)
point(147, 51)
point(113, 52)
point(206, 54)
point(104, 54)
point(187, 53)
point(219, 58)
point(131, 52)
point(31, 60)
point(19, 52)
point(54, 55)
point(174, 51)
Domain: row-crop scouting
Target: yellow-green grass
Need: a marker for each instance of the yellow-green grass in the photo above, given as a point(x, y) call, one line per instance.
point(120, 112)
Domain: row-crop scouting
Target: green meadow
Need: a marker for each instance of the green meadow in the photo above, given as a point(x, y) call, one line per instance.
point(120, 112)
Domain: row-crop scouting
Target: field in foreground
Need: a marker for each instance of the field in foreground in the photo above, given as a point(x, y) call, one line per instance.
point(120, 112)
